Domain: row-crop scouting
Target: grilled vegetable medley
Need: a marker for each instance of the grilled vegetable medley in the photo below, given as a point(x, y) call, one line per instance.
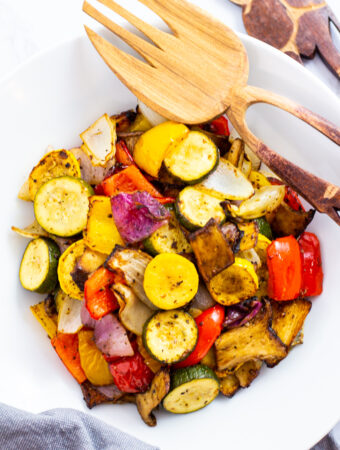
point(173, 266)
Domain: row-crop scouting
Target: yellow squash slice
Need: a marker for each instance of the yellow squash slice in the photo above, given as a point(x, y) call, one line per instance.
point(234, 284)
point(48, 323)
point(67, 262)
point(57, 163)
point(92, 360)
point(101, 233)
point(258, 180)
point(151, 148)
point(100, 141)
point(170, 281)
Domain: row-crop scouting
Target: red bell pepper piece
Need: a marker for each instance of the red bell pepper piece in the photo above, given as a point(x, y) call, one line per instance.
point(123, 156)
point(130, 373)
point(284, 267)
point(220, 126)
point(131, 180)
point(66, 346)
point(209, 325)
point(312, 274)
point(99, 299)
point(291, 197)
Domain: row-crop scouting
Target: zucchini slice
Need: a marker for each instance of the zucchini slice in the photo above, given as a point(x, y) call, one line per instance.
point(66, 266)
point(192, 159)
point(54, 164)
point(170, 281)
point(192, 388)
point(170, 336)
point(61, 205)
point(169, 238)
point(38, 269)
point(234, 284)
point(194, 208)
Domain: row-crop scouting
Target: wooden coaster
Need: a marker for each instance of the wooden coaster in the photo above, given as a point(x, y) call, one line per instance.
point(297, 27)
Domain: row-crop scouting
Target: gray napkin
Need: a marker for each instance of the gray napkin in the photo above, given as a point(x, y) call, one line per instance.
point(62, 429)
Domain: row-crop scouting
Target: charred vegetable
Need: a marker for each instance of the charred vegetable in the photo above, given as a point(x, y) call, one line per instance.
point(255, 340)
point(66, 266)
point(284, 221)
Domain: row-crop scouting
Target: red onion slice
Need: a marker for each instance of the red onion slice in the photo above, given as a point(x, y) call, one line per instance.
point(111, 338)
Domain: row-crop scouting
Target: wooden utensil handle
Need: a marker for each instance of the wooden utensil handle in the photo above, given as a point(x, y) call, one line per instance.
point(324, 196)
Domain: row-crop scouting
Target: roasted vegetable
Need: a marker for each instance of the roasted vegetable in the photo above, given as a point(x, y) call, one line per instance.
point(148, 401)
point(264, 227)
point(265, 200)
point(124, 120)
point(101, 233)
point(99, 298)
point(93, 396)
point(209, 325)
point(249, 232)
point(229, 385)
point(255, 340)
point(192, 388)
point(312, 274)
point(152, 363)
point(251, 256)
point(169, 238)
point(66, 346)
point(191, 159)
point(288, 318)
point(170, 336)
point(137, 215)
point(92, 361)
point(212, 251)
point(69, 320)
point(38, 268)
point(150, 150)
point(111, 338)
point(49, 324)
point(258, 180)
point(195, 207)
point(85, 265)
point(130, 264)
point(132, 312)
point(61, 205)
point(232, 234)
point(90, 173)
point(234, 284)
point(284, 268)
point(54, 164)
point(236, 152)
point(228, 183)
point(248, 372)
point(241, 313)
point(99, 140)
point(32, 231)
point(284, 221)
point(67, 263)
point(170, 281)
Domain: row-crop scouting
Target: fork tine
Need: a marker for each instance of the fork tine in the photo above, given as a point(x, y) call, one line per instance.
point(145, 49)
point(157, 36)
point(135, 74)
point(161, 10)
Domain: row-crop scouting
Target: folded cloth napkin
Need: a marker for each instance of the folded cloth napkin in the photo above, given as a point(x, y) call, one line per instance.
point(62, 429)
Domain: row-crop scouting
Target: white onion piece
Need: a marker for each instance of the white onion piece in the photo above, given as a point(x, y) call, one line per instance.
point(90, 173)
point(69, 320)
point(252, 256)
point(265, 200)
point(153, 117)
point(227, 182)
point(111, 338)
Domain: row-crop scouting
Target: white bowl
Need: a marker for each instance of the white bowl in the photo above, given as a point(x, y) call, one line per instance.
point(51, 100)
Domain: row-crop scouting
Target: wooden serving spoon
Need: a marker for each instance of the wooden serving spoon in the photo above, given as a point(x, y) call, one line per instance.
point(199, 72)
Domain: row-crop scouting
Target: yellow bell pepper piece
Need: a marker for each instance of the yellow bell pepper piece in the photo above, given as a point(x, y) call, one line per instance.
point(151, 147)
point(49, 324)
point(92, 360)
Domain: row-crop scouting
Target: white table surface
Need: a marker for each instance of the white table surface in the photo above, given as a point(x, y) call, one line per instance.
point(28, 27)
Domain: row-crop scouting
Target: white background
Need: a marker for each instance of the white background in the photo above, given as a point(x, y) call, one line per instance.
point(27, 27)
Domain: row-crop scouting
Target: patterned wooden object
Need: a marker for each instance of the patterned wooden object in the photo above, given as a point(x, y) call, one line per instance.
point(297, 27)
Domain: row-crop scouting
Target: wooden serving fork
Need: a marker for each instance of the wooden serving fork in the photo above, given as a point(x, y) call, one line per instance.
point(199, 72)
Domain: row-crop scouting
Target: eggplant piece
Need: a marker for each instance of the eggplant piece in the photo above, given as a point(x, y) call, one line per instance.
point(284, 221)
point(212, 251)
point(148, 401)
point(229, 385)
point(289, 317)
point(94, 397)
point(232, 234)
point(254, 340)
point(130, 138)
point(50, 306)
point(248, 372)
